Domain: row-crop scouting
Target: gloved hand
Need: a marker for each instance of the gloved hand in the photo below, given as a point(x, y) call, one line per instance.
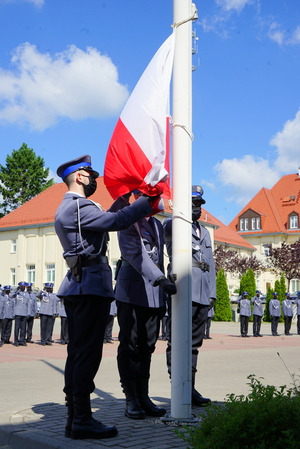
point(211, 303)
point(167, 286)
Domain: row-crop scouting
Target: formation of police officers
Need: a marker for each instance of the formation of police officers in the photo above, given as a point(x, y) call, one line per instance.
point(275, 310)
point(19, 306)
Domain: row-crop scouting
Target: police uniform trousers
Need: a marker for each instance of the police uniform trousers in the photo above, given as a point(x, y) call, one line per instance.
point(46, 322)
point(20, 328)
point(244, 320)
point(139, 330)
point(29, 326)
point(87, 318)
point(64, 335)
point(108, 329)
point(207, 326)
point(6, 329)
point(199, 318)
point(274, 324)
point(287, 324)
point(256, 324)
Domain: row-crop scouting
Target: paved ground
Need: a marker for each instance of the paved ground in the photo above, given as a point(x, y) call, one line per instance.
point(32, 411)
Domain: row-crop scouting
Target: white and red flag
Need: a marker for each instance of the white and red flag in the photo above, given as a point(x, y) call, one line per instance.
point(138, 152)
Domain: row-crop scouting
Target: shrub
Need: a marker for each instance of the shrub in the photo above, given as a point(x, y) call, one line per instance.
point(267, 418)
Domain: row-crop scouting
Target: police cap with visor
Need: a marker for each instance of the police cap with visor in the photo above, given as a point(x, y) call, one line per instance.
point(80, 163)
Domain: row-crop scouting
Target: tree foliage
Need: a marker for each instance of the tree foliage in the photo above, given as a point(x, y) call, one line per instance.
point(269, 296)
point(233, 262)
point(247, 283)
point(23, 177)
point(286, 260)
point(222, 306)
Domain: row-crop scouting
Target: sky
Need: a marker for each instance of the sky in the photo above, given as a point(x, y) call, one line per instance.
point(67, 69)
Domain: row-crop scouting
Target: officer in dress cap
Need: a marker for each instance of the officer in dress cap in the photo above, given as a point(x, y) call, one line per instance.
point(257, 314)
point(245, 313)
point(287, 308)
point(2, 303)
point(48, 312)
point(274, 309)
point(82, 227)
point(8, 314)
point(203, 284)
point(21, 313)
point(32, 312)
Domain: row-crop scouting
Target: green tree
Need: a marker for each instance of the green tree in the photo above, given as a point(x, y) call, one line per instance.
point(281, 296)
point(222, 306)
point(247, 283)
point(23, 177)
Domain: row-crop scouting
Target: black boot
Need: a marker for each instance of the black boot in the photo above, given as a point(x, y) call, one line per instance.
point(133, 408)
point(70, 405)
point(197, 398)
point(147, 405)
point(84, 426)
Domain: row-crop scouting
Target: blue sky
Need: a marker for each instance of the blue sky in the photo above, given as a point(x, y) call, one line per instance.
point(67, 68)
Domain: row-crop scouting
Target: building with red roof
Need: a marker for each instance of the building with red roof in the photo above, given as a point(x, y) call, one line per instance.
point(270, 218)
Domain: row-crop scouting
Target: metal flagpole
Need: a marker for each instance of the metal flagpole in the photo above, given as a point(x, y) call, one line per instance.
point(184, 13)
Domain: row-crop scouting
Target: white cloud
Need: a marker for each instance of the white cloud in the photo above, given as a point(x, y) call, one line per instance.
point(287, 142)
point(245, 176)
point(236, 5)
point(75, 84)
point(276, 34)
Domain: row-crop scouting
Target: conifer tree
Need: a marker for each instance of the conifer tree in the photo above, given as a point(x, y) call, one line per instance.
point(222, 306)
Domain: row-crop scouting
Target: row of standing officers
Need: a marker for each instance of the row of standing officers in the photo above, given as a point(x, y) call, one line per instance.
point(20, 306)
point(274, 310)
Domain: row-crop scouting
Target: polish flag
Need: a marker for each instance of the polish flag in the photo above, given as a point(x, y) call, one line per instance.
point(138, 152)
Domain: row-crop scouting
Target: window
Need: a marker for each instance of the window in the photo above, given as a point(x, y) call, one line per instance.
point(266, 249)
point(257, 222)
point(13, 247)
point(12, 276)
point(293, 221)
point(31, 273)
point(50, 272)
point(246, 224)
point(253, 223)
point(241, 224)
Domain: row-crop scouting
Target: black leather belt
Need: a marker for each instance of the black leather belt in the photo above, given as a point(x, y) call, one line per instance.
point(202, 265)
point(94, 261)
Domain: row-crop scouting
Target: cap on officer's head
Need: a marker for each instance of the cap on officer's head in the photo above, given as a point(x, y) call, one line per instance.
point(287, 294)
point(258, 291)
point(80, 163)
point(275, 293)
point(245, 293)
point(197, 193)
point(49, 284)
point(28, 284)
point(6, 287)
point(22, 284)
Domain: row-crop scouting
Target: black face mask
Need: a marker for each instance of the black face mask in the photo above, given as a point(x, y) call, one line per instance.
point(196, 213)
point(90, 188)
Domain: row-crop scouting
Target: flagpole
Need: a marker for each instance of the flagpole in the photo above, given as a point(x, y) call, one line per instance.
point(181, 336)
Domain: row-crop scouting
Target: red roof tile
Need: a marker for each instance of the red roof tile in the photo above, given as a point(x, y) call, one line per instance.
point(274, 205)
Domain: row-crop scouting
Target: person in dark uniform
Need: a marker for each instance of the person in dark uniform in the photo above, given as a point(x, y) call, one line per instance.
point(287, 308)
point(21, 313)
point(108, 338)
point(140, 288)
point(297, 302)
point(8, 314)
point(2, 304)
point(48, 311)
point(64, 335)
point(257, 314)
point(82, 228)
point(245, 313)
point(274, 309)
point(32, 312)
point(203, 284)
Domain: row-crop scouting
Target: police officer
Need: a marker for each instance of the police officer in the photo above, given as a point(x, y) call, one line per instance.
point(32, 312)
point(82, 227)
point(21, 313)
point(297, 302)
point(287, 308)
point(203, 284)
point(274, 309)
point(64, 335)
point(140, 288)
point(2, 304)
point(8, 314)
point(257, 314)
point(48, 311)
point(245, 313)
